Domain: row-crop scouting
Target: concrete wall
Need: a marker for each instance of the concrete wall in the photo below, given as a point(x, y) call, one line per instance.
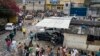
point(93, 47)
point(79, 42)
point(75, 41)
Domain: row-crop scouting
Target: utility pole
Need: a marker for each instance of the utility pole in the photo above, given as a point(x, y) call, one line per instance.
point(69, 6)
point(24, 10)
point(45, 5)
point(33, 4)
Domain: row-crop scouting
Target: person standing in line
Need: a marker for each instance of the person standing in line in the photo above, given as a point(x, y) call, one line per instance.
point(42, 15)
point(72, 53)
point(37, 50)
point(14, 31)
point(98, 53)
point(14, 47)
point(48, 50)
point(26, 50)
point(8, 44)
point(92, 53)
point(30, 48)
point(61, 51)
point(24, 31)
point(58, 52)
point(51, 52)
point(11, 35)
point(42, 51)
point(31, 35)
point(64, 51)
point(20, 49)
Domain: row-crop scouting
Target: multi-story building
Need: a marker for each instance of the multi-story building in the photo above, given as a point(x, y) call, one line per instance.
point(63, 5)
point(31, 4)
point(60, 5)
point(94, 8)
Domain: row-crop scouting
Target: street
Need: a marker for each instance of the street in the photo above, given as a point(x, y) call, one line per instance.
point(20, 38)
point(49, 28)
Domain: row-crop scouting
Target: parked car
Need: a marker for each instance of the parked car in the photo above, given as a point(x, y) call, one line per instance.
point(9, 26)
point(28, 17)
point(43, 36)
point(57, 38)
point(53, 37)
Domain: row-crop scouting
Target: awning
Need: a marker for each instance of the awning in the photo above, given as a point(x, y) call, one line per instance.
point(55, 22)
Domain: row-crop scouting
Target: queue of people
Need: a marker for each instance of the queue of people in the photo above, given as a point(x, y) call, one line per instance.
point(23, 49)
point(28, 49)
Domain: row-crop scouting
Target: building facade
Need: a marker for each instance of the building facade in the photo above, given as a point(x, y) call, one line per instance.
point(31, 4)
point(94, 8)
point(63, 5)
point(59, 5)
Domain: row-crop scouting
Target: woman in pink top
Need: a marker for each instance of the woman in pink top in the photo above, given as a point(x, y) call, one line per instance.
point(8, 43)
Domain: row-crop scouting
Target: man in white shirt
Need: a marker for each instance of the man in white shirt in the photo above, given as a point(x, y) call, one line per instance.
point(14, 46)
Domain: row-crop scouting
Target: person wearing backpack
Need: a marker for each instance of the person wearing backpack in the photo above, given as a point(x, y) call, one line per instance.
point(30, 48)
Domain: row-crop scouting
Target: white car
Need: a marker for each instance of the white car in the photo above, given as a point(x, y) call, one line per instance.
point(9, 26)
point(28, 17)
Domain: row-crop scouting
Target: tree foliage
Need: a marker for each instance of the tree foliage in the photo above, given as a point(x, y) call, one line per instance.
point(8, 8)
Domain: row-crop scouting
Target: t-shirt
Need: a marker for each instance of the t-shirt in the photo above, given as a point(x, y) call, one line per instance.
point(98, 53)
point(30, 49)
point(14, 44)
point(8, 43)
point(23, 30)
point(37, 49)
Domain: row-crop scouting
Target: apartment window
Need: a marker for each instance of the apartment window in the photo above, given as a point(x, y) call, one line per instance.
point(66, 4)
point(58, 7)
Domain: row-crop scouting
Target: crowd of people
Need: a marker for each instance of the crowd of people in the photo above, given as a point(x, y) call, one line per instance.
point(29, 49)
point(23, 49)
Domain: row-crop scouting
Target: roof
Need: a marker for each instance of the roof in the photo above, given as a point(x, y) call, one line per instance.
point(87, 23)
point(55, 22)
point(95, 5)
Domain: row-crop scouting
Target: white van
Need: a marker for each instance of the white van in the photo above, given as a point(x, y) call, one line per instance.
point(9, 26)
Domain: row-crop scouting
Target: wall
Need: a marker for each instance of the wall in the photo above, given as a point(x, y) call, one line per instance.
point(93, 47)
point(74, 1)
point(75, 41)
point(13, 19)
point(95, 0)
point(79, 42)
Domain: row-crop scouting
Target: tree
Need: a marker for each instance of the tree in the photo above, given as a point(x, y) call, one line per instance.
point(8, 8)
point(87, 3)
